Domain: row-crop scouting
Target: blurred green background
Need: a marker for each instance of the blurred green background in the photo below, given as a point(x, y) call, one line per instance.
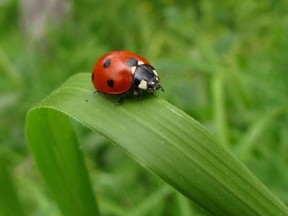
point(223, 62)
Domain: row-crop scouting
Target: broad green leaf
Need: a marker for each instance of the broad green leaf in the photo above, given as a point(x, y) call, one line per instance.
point(55, 149)
point(157, 135)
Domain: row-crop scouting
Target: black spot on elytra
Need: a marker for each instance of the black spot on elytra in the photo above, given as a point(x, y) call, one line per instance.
point(110, 83)
point(92, 77)
point(132, 62)
point(107, 63)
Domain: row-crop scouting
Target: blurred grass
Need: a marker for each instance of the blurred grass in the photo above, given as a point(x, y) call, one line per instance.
point(9, 202)
point(195, 43)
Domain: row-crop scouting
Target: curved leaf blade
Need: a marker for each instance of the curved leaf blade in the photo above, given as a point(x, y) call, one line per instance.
point(166, 141)
point(55, 148)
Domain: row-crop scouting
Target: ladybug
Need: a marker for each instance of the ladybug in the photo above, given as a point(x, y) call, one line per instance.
point(124, 73)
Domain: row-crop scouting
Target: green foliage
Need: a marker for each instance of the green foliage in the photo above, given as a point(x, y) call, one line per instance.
point(56, 152)
point(156, 134)
point(227, 68)
point(9, 202)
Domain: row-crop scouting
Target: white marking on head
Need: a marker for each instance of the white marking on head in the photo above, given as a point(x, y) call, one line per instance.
point(155, 72)
point(140, 62)
point(143, 84)
point(156, 78)
point(133, 69)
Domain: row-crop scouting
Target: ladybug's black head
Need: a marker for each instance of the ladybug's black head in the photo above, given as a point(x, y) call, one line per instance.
point(154, 84)
point(146, 78)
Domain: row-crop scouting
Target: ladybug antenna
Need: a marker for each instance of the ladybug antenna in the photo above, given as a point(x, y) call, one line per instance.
point(165, 77)
point(159, 86)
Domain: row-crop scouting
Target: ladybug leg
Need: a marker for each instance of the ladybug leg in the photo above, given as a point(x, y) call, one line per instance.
point(100, 93)
point(151, 91)
point(120, 100)
point(137, 92)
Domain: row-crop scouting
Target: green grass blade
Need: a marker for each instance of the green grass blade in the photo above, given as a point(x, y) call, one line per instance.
point(257, 130)
point(219, 107)
point(9, 202)
point(152, 202)
point(54, 146)
point(184, 205)
point(157, 135)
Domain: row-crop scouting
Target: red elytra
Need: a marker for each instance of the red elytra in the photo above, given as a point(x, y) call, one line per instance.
point(113, 67)
point(118, 72)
